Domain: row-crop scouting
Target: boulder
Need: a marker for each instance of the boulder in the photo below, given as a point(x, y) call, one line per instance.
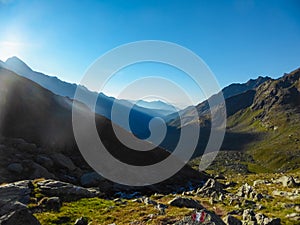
point(44, 161)
point(66, 191)
point(91, 179)
point(211, 186)
point(17, 191)
point(231, 220)
point(63, 161)
point(37, 171)
point(8, 207)
point(185, 202)
point(15, 168)
point(51, 203)
point(148, 201)
point(249, 215)
point(23, 217)
point(287, 181)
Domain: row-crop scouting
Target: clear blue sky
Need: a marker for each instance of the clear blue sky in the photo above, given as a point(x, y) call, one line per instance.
point(238, 40)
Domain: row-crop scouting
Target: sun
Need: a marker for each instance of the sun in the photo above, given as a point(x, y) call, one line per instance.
point(9, 49)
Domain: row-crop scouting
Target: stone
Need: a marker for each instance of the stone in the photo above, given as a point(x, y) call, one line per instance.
point(264, 220)
point(210, 187)
point(245, 191)
point(260, 182)
point(50, 203)
point(293, 216)
point(36, 170)
point(231, 220)
point(148, 201)
point(44, 161)
point(91, 179)
point(23, 217)
point(81, 221)
point(17, 191)
point(11, 206)
point(63, 161)
point(287, 181)
point(248, 215)
point(185, 202)
point(66, 191)
point(15, 168)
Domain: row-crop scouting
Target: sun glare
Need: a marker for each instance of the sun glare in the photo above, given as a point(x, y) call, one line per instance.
point(9, 49)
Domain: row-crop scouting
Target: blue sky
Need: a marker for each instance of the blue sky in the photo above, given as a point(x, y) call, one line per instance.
point(238, 40)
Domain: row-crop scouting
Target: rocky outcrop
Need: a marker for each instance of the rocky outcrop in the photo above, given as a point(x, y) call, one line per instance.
point(210, 188)
point(66, 191)
point(186, 202)
point(231, 220)
point(17, 191)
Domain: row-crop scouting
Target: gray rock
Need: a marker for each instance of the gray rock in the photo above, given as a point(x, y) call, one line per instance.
point(23, 217)
point(91, 179)
point(185, 202)
point(231, 220)
point(66, 191)
point(15, 168)
point(63, 161)
point(287, 181)
point(245, 191)
point(260, 182)
point(51, 203)
point(148, 201)
point(249, 215)
point(17, 191)
point(264, 220)
point(293, 216)
point(44, 161)
point(81, 221)
point(210, 187)
point(8, 207)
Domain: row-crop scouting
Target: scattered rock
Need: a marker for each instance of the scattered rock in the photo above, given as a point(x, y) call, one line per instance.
point(91, 179)
point(260, 182)
point(264, 220)
point(185, 202)
point(63, 161)
point(81, 221)
point(15, 168)
point(66, 191)
point(231, 220)
point(23, 217)
point(51, 203)
point(293, 216)
point(249, 215)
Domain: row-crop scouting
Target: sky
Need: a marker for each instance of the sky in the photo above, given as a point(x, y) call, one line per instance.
point(238, 40)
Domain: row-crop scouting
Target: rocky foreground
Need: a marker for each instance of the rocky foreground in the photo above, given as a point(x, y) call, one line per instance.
point(265, 199)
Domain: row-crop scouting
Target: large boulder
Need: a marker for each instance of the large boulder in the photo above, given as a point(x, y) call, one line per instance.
point(17, 191)
point(15, 168)
point(185, 202)
point(22, 217)
point(36, 170)
point(44, 161)
point(66, 191)
point(91, 179)
point(63, 161)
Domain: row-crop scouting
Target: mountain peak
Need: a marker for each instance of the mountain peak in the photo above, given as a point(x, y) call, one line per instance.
point(17, 63)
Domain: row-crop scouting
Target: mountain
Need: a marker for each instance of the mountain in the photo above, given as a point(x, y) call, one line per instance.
point(262, 122)
point(158, 106)
point(32, 114)
point(203, 108)
point(139, 116)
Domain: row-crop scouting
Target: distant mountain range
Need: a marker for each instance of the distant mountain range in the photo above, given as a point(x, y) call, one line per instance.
point(141, 112)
